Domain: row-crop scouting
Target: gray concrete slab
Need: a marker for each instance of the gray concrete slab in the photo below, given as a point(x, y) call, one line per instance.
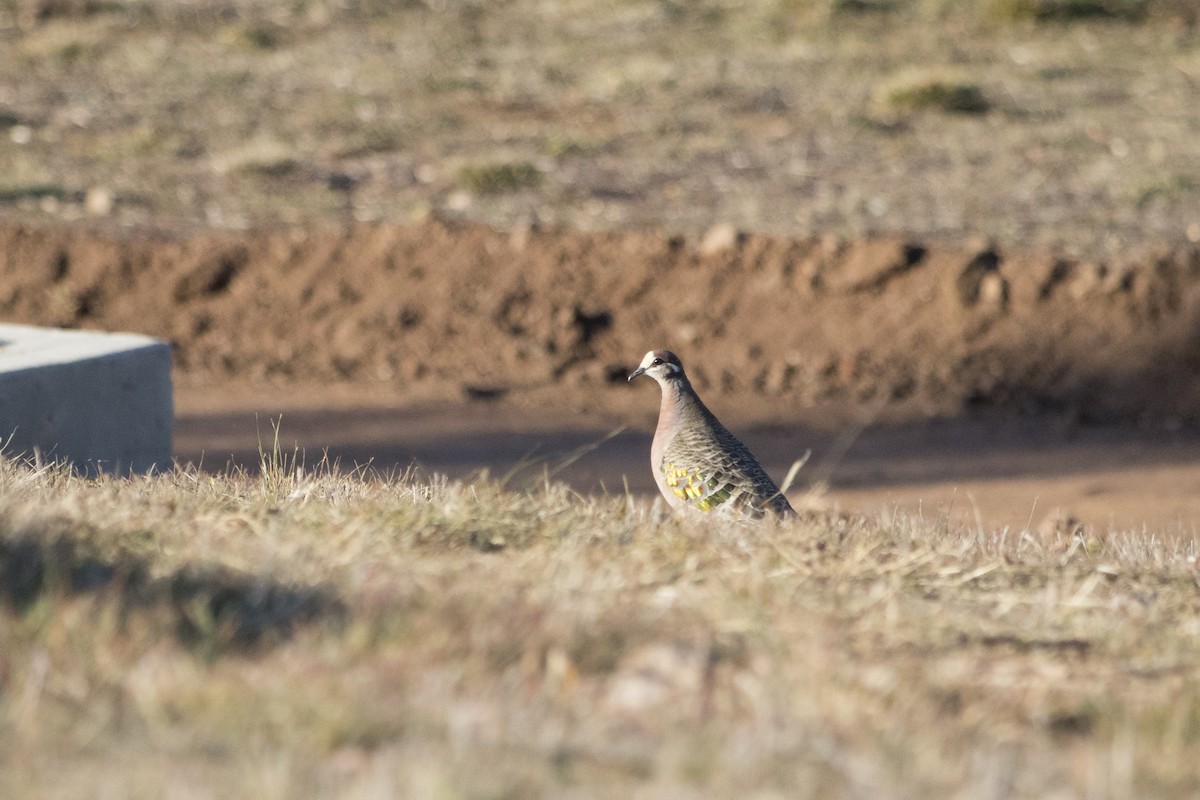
point(101, 401)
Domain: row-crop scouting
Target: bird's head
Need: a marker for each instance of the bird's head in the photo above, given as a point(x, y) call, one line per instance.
point(662, 365)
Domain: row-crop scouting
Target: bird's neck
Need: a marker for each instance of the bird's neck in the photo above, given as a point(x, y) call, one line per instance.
point(677, 395)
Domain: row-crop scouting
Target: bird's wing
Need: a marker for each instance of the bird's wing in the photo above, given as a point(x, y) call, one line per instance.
point(704, 486)
point(718, 473)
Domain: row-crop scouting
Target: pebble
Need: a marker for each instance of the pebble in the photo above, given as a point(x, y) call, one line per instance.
point(99, 201)
point(718, 239)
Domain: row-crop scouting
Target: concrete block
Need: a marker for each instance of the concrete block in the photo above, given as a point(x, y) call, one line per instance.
point(99, 400)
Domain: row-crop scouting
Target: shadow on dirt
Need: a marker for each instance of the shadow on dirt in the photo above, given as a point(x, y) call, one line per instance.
point(592, 459)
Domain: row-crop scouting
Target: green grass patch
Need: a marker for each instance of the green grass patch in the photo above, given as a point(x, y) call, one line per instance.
point(256, 36)
point(499, 178)
point(1170, 189)
point(83, 9)
point(857, 7)
point(33, 191)
point(73, 52)
point(280, 167)
point(833, 8)
point(938, 95)
point(1067, 10)
point(569, 147)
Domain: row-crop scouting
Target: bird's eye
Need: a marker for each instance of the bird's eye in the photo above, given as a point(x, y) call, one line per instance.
point(656, 362)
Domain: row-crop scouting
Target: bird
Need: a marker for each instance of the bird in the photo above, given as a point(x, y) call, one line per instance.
point(697, 462)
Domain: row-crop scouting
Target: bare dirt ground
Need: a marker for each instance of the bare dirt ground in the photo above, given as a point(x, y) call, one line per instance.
point(492, 211)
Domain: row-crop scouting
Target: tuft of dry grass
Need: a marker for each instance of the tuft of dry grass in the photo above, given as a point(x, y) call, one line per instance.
point(320, 633)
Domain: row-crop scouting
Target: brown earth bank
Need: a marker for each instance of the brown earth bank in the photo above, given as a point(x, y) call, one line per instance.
point(819, 331)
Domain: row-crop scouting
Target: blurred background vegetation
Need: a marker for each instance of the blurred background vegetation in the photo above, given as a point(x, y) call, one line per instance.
point(1071, 124)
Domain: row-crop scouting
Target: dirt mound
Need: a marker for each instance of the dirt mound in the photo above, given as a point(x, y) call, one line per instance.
point(776, 327)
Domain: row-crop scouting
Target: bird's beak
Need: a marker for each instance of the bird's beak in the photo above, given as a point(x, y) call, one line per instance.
point(637, 372)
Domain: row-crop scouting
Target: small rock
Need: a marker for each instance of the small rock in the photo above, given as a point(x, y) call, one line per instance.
point(458, 201)
point(719, 238)
point(99, 201)
point(426, 174)
point(993, 290)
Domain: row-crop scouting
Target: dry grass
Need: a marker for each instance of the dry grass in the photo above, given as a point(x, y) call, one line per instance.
point(313, 634)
